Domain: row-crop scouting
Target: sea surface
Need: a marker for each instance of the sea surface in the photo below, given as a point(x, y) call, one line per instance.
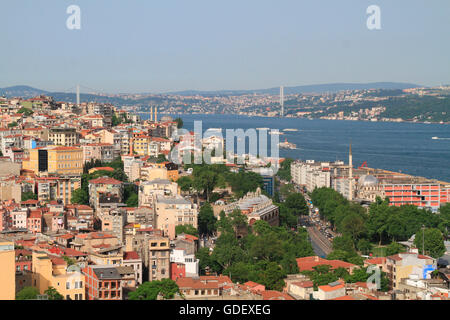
point(400, 147)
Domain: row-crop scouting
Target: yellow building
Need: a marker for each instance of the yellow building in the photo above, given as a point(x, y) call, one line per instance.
point(58, 160)
point(408, 264)
point(140, 145)
point(63, 136)
point(54, 272)
point(7, 270)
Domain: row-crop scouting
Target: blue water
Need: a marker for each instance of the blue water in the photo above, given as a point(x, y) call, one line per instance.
point(400, 147)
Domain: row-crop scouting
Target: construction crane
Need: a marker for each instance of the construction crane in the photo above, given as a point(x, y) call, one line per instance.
point(364, 165)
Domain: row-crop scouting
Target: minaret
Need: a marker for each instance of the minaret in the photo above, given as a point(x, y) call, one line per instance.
point(151, 114)
point(156, 114)
point(350, 175)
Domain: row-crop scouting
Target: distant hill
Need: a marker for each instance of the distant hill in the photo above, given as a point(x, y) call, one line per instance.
point(318, 88)
point(21, 91)
point(28, 92)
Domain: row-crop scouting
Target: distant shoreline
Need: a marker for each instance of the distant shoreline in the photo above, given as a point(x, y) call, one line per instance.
point(262, 116)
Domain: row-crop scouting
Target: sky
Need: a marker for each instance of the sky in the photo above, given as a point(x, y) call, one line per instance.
point(171, 45)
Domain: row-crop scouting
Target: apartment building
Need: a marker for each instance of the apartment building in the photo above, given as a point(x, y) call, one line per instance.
point(57, 188)
point(132, 259)
point(311, 174)
point(406, 265)
point(103, 282)
point(159, 257)
point(64, 136)
point(183, 264)
point(148, 190)
point(49, 271)
point(55, 160)
point(113, 222)
point(174, 211)
point(7, 270)
point(110, 187)
point(98, 151)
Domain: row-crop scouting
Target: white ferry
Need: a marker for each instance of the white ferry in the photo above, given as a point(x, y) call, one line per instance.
point(287, 145)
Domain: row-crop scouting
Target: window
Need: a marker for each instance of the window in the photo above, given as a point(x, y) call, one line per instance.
point(67, 285)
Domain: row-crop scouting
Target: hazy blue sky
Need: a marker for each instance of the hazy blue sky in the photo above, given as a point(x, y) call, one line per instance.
point(166, 45)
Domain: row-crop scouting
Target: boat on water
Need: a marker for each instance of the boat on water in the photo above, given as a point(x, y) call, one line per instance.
point(276, 132)
point(290, 130)
point(262, 129)
point(287, 145)
point(435, 138)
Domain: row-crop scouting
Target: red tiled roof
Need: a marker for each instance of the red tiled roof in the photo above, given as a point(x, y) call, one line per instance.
point(196, 283)
point(344, 298)
point(30, 201)
point(105, 180)
point(252, 284)
point(130, 255)
point(307, 263)
point(379, 260)
point(67, 236)
point(329, 288)
point(275, 295)
point(73, 253)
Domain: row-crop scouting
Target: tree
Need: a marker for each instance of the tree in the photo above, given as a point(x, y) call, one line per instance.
point(206, 220)
point(29, 195)
point(297, 203)
point(394, 248)
point(286, 190)
point(186, 228)
point(80, 196)
point(344, 243)
point(207, 263)
point(27, 112)
point(150, 290)
point(115, 121)
point(364, 246)
point(185, 183)
point(267, 247)
point(272, 277)
point(27, 293)
point(352, 224)
point(179, 122)
point(12, 124)
point(284, 172)
point(130, 195)
point(132, 200)
point(53, 294)
point(69, 260)
point(433, 242)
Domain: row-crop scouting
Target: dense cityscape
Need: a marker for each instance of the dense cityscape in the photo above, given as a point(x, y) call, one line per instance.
point(95, 207)
point(224, 159)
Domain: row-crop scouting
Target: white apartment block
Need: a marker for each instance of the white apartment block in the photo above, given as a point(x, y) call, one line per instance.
point(311, 174)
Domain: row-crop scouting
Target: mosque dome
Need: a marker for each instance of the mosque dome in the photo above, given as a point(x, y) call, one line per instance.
point(367, 181)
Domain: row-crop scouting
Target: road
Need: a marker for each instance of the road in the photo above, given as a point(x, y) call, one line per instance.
point(320, 243)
